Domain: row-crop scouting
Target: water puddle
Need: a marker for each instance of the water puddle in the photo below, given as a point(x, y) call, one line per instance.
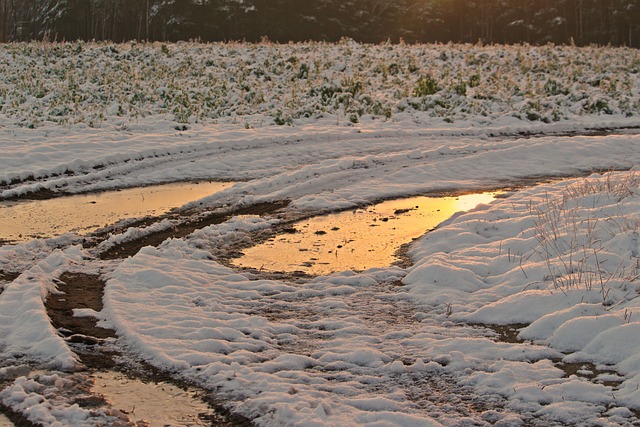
point(152, 404)
point(21, 221)
point(355, 240)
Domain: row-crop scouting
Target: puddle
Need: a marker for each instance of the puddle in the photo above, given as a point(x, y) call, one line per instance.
point(157, 404)
point(22, 221)
point(355, 240)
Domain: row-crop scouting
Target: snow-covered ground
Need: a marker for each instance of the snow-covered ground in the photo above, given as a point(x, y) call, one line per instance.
point(387, 346)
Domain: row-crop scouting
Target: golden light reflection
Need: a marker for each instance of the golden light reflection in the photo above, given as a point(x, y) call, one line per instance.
point(24, 220)
point(158, 404)
point(356, 240)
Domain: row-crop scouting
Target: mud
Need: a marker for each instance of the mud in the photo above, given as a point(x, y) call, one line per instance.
point(79, 290)
point(119, 380)
point(9, 418)
point(161, 401)
point(506, 333)
point(42, 194)
point(7, 276)
point(92, 343)
point(187, 227)
point(88, 341)
point(586, 370)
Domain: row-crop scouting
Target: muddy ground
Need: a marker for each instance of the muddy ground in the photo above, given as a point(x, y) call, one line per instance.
point(94, 345)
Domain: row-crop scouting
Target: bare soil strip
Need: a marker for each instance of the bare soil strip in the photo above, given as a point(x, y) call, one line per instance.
point(80, 290)
point(16, 418)
point(506, 333)
point(7, 276)
point(132, 247)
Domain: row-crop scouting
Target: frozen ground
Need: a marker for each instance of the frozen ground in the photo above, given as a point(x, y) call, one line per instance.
point(423, 345)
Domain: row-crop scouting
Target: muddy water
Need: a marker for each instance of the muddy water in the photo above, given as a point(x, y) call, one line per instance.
point(356, 240)
point(25, 220)
point(158, 404)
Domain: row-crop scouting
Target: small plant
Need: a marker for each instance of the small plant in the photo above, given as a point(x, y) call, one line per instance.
point(460, 88)
point(303, 72)
point(281, 121)
point(210, 82)
point(352, 85)
point(425, 86)
point(553, 88)
point(165, 50)
point(474, 80)
point(598, 106)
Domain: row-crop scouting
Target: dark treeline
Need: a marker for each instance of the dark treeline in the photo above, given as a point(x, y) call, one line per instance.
point(615, 22)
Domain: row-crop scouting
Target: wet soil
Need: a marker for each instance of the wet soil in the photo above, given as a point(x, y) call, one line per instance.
point(588, 371)
point(132, 247)
point(16, 418)
point(506, 333)
point(42, 194)
point(8, 276)
point(81, 290)
point(90, 343)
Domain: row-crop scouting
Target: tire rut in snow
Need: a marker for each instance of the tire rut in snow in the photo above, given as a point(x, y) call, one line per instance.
point(18, 419)
point(379, 310)
point(90, 343)
point(6, 277)
point(141, 162)
point(81, 290)
point(438, 394)
point(185, 227)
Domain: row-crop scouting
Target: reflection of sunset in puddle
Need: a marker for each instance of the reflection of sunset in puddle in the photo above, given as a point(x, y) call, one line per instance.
point(356, 240)
point(25, 220)
point(158, 404)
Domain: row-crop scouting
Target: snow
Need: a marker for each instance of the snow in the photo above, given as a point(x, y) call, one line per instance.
point(26, 328)
point(388, 346)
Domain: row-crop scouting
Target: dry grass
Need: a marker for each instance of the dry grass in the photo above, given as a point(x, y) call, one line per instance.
point(573, 229)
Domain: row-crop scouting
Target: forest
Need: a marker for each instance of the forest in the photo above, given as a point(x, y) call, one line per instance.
point(580, 22)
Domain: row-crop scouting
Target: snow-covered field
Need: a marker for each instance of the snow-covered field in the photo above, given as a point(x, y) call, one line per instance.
point(330, 127)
